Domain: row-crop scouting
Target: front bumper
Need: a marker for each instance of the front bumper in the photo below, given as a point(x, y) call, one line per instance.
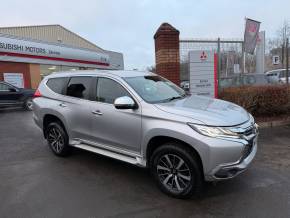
point(229, 170)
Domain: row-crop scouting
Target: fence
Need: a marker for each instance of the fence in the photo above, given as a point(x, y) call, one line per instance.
point(230, 55)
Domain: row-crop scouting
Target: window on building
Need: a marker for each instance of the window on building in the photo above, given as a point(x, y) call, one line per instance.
point(46, 70)
point(108, 90)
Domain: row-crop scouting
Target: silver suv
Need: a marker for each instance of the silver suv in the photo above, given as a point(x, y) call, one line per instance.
point(144, 119)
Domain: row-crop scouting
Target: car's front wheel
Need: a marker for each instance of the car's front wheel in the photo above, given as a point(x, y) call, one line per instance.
point(57, 139)
point(176, 170)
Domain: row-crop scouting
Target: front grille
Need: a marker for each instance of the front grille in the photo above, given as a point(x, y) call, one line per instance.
point(249, 131)
point(248, 149)
point(245, 131)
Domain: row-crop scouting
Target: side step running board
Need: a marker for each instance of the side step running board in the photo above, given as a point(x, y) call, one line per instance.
point(132, 160)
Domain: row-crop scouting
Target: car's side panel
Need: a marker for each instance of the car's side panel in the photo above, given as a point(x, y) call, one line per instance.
point(8, 97)
point(45, 106)
point(14, 98)
point(118, 128)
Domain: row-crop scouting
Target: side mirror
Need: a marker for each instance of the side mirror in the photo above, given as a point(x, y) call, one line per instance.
point(12, 90)
point(125, 102)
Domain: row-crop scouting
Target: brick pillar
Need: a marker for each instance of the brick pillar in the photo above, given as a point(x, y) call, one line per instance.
point(167, 52)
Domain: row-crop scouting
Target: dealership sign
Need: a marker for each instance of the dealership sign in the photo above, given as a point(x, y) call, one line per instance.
point(20, 50)
point(202, 73)
point(15, 79)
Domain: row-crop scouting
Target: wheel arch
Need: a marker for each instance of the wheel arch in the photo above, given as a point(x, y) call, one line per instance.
point(158, 141)
point(49, 118)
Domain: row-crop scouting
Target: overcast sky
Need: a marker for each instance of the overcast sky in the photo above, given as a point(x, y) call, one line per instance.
point(128, 26)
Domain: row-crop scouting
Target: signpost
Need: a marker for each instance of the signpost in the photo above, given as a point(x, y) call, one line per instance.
point(260, 53)
point(203, 73)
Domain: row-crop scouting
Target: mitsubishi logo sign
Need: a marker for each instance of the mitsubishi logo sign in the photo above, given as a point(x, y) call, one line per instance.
point(203, 73)
point(203, 56)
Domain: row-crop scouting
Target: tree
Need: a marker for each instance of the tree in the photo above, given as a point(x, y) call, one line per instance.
point(283, 33)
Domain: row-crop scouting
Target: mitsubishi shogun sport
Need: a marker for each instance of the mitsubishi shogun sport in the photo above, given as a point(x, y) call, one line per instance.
point(146, 120)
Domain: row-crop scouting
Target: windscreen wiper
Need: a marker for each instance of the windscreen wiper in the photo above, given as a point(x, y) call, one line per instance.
point(173, 98)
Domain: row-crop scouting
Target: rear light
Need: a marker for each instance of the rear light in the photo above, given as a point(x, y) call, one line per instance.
point(37, 94)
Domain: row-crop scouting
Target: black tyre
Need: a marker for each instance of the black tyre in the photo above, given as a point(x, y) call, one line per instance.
point(176, 170)
point(57, 139)
point(28, 105)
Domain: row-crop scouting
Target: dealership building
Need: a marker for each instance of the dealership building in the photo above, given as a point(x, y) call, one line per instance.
point(28, 53)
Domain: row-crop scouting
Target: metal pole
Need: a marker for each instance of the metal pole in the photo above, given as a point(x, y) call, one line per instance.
point(244, 62)
point(243, 58)
point(287, 61)
point(219, 62)
point(282, 54)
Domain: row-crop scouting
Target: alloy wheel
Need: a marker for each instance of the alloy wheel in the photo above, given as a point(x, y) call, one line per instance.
point(55, 139)
point(29, 104)
point(173, 173)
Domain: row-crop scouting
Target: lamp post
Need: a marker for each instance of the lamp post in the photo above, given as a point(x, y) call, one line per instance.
point(287, 61)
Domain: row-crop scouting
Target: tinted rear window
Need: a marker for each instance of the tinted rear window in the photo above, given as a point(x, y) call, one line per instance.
point(79, 87)
point(56, 84)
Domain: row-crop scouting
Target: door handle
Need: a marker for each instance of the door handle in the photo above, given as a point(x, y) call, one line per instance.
point(62, 105)
point(97, 112)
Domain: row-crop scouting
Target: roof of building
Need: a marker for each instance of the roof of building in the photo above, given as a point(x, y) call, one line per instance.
point(51, 33)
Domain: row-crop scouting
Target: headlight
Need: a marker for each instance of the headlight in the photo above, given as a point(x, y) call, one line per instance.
point(214, 131)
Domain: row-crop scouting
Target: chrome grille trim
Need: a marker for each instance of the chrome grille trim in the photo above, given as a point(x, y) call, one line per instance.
point(247, 130)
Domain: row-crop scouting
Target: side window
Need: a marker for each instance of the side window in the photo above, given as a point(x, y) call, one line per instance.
point(79, 87)
point(4, 87)
point(108, 90)
point(282, 74)
point(56, 84)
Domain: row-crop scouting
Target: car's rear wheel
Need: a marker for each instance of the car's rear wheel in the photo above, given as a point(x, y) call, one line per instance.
point(28, 105)
point(176, 170)
point(57, 139)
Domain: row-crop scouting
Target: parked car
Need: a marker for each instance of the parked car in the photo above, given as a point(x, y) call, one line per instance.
point(185, 85)
point(249, 79)
point(146, 120)
point(277, 76)
point(11, 96)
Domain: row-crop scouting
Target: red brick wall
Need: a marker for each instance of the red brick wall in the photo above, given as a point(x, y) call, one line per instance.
point(13, 67)
point(167, 53)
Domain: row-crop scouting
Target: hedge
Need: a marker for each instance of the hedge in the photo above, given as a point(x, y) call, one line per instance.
point(260, 100)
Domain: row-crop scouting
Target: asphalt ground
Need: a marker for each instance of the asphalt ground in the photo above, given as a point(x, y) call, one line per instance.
point(35, 183)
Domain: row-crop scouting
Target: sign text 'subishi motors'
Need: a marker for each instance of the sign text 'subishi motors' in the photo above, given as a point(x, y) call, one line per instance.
point(16, 47)
point(20, 50)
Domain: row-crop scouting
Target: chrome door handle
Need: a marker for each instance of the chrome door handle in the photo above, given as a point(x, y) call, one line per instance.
point(62, 105)
point(97, 112)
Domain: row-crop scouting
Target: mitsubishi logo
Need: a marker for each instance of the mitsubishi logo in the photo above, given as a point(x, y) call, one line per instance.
point(203, 56)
